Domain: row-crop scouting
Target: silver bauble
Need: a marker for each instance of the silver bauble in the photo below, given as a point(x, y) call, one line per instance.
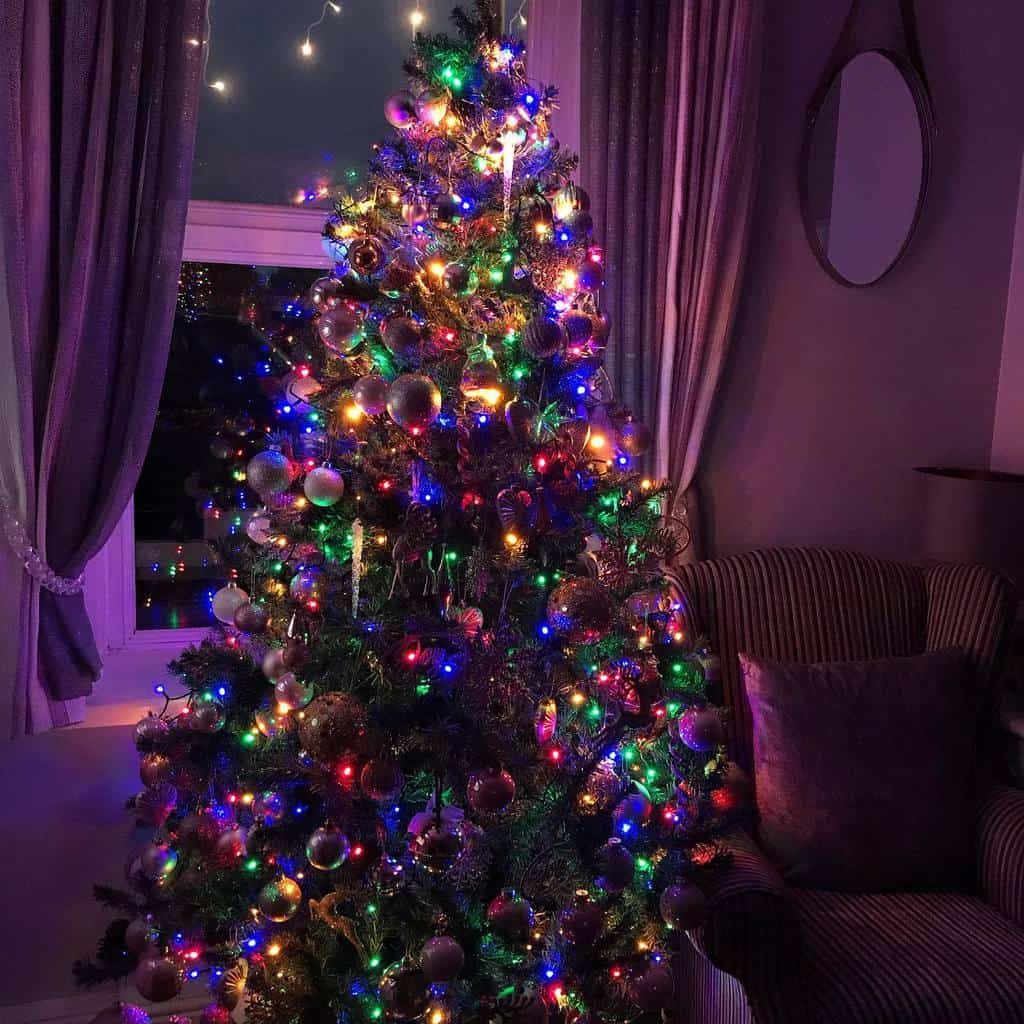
point(257, 529)
point(280, 900)
point(269, 473)
point(371, 394)
point(324, 486)
point(227, 601)
point(158, 979)
point(327, 293)
point(414, 402)
point(432, 105)
point(327, 848)
point(273, 663)
point(291, 692)
point(339, 330)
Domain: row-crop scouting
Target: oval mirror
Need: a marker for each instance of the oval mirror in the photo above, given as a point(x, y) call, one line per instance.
point(865, 166)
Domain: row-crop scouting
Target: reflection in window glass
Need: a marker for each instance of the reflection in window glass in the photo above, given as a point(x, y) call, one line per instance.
point(237, 330)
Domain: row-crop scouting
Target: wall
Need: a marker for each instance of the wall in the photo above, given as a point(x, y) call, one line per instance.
point(832, 394)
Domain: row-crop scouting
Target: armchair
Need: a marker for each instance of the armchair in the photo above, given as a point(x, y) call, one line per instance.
point(772, 953)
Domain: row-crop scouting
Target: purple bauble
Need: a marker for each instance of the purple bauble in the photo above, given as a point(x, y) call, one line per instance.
point(590, 277)
point(402, 336)
point(683, 906)
point(252, 618)
point(400, 109)
point(441, 959)
point(701, 729)
point(510, 916)
point(158, 979)
point(616, 865)
point(633, 810)
point(582, 922)
point(655, 988)
point(490, 792)
point(371, 394)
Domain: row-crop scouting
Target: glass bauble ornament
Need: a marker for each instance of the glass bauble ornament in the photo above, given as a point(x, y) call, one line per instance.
point(457, 278)
point(616, 866)
point(298, 388)
point(158, 979)
point(632, 811)
point(701, 729)
point(280, 899)
point(327, 293)
point(402, 336)
point(339, 330)
point(154, 768)
point(140, 935)
point(400, 109)
point(590, 276)
point(334, 724)
point(231, 988)
point(510, 916)
point(158, 860)
point(635, 438)
point(388, 875)
point(366, 256)
point(381, 779)
point(227, 601)
point(581, 923)
point(683, 906)
point(306, 586)
point(370, 393)
point(271, 722)
point(327, 848)
point(579, 225)
point(269, 808)
point(206, 716)
point(545, 721)
point(541, 337)
point(581, 611)
point(252, 617)
point(441, 959)
point(416, 212)
point(295, 653)
point(447, 211)
point(273, 663)
point(437, 847)
point(414, 402)
point(655, 989)
point(521, 418)
point(269, 473)
point(257, 529)
point(573, 435)
point(568, 200)
point(481, 382)
point(230, 847)
point(432, 105)
point(292, 693)
point(578, 327)
point(490, 791)
point(153, 806)
point(399, 274)
point(324, 486)
point(404, 991)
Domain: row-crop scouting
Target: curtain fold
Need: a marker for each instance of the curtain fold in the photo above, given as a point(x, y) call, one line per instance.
point(97, 110)
point(668, 116)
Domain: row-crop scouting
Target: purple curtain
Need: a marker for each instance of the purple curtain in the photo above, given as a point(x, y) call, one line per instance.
point(668, 139)
point(98, 115)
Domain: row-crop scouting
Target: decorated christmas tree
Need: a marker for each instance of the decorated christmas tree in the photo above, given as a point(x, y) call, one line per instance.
point(452, 755)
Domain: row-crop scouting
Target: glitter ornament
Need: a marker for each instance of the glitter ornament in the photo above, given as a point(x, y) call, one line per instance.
point(151, 729)
point(324, 486)
point(334, 724)
point(327, 848)
point(581, 611)
point(441, 959)
point(634, 438)
point(510, 916)
point(414, 402)
point(122, 1013)
point(280, 899)
point(229, 848)
point(227, 601)
point(269, 473)
point(490, 792)
point(370, 393)
point(366, 256)
point(683, 905)
point(701, 729)
point(252, 618)
point(541, 337)
point(158, 979)
point(339, 330)
point(291, 692)
point(400, 109)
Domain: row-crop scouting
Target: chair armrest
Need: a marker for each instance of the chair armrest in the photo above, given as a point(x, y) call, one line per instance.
point(1001, 852)
point(752, 930)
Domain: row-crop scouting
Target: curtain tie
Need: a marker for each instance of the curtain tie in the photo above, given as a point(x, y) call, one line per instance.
point(35, 565)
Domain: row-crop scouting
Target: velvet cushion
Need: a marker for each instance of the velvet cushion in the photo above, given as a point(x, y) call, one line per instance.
point(864, 770)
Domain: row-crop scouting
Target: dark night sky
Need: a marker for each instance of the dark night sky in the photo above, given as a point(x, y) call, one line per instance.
point(287, 120)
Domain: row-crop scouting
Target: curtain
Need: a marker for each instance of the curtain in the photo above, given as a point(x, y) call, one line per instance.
point(97, 114)
point(668, 114)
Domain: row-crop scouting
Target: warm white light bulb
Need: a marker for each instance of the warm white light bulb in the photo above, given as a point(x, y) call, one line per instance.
point(306, 49)
point(416, 18)
point(220, 85)
point(334, 7)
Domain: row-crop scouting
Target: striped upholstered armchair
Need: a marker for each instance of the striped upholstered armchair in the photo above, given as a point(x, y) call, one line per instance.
point(769, 952)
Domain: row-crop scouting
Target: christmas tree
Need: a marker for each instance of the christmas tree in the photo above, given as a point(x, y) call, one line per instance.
point(452, 755)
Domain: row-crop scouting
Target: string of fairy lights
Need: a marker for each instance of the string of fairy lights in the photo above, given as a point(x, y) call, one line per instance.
point(416, 19)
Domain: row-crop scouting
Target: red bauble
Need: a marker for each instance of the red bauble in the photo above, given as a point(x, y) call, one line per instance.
point(381, 779)
point(683, 906)
point(510, 916)
point(491, 791)
point(582, 921)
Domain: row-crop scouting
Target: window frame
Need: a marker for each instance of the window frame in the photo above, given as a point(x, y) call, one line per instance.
point(215, 232)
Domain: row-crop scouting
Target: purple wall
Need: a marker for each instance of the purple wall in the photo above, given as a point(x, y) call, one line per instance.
point(832, 394)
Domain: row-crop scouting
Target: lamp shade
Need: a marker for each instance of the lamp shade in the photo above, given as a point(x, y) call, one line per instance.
point(974, 516)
